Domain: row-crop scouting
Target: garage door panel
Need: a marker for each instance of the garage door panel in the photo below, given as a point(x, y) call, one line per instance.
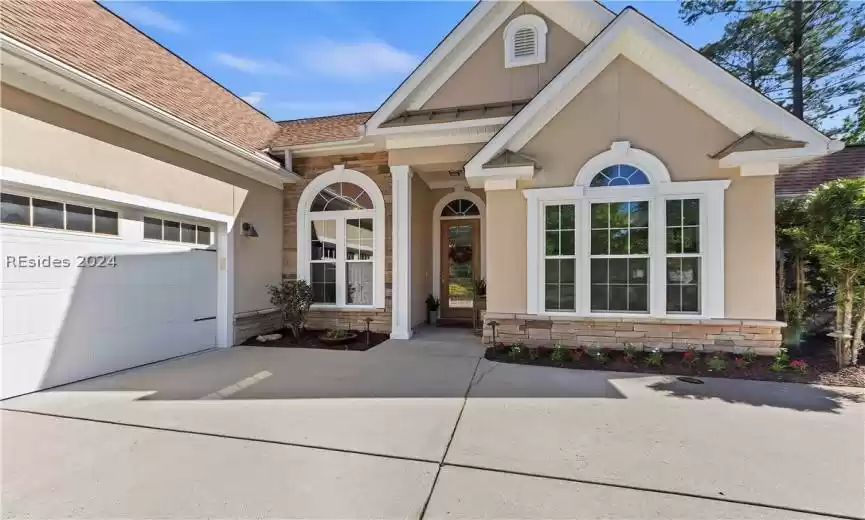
point(62, 324)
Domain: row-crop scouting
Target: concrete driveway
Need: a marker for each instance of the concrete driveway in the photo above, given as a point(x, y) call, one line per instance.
point(426, 429)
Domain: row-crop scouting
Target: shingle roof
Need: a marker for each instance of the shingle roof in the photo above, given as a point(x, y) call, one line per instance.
point(753, 141)
point(448, 115)
point(90, 38)
point(320, 129)
point(804, 177)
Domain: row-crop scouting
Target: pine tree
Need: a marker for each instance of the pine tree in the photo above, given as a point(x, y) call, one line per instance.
point(854, 124)
point(807, 56)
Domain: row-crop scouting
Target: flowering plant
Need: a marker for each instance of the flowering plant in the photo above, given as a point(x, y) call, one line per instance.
point(690, 357)
point(799, 365)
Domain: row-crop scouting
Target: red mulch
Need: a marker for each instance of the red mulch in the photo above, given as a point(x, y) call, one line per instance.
point(822, 367)
point(310, 339)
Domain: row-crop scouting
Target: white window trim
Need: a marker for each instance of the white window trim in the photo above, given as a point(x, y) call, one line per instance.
point(537, 24)
point(64, 200)
point(181, 221)
point(711, 196)
point(304, 217)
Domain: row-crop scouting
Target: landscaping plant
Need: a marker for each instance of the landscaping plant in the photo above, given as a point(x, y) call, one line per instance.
point(293, 299)
point(799, 366)
point(749, 356)
point(690, 357)
point(717, 363)
point(560, 354)
point(336, 334)
point(655, 358)
point(630, 354)
point(517, 350)
point(599, 354)
point(578, 353)
point(534, 353)
point(739, 362)
point(781, 361)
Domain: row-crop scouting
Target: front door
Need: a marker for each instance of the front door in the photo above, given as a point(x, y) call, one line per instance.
point(460, 257)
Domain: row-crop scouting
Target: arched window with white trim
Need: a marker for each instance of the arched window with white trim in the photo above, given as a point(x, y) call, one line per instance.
point(626, 240)
point(525, 41)
point(341, 240)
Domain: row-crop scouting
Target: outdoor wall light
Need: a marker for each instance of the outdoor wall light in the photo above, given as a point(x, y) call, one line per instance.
point(248, 230)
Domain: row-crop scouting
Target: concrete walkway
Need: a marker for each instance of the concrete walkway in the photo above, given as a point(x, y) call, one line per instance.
point(428, 429)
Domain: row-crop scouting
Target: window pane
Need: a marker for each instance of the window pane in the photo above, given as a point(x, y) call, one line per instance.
point(47, 213)
point(674, 298)
point(674, 213)
point(551, 271)
point(640, 214)
point(171, 230)
point(106, 221)
point(567, 270)
point(203, 235)
point(683, 285)
point(552, 217)
point(551, 297)
point(323, 239)
point(674, 240)
point(553, 243)
point(690, 273)
point(600, 242)
point(358, 279)
point(187, 233)
point(599, 270)
point(152, 228)
point(620, 214)
point(638, 270)
point(618, 298)
point(360, 241)
point(618, 241)
point(567, 301)
point(567, 242)
point(600, 216)
point(618, 270)
point(341, 196)
point(674, 270)
point(79, 218)
point(599, 297)
point(691, 240)
point(640, 241)
point(568, 218)
point(323, 281)
point(14, 209)
point(691, 212)
point(638, 298)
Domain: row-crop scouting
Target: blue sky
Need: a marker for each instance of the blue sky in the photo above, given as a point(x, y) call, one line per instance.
point(301, 59)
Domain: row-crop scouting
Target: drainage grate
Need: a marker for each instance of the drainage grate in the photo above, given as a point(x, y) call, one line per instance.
point(692, 380)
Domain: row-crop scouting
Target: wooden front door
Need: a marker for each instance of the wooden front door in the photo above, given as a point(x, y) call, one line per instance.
point(460, 265)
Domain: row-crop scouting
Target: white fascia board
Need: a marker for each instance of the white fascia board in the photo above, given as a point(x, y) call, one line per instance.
point(82, 92)
point(347, 146)
point(582, 19)
point(437, 127)
point(765, 156)
point(466, 135)
point(435, 58)
point(705, 84)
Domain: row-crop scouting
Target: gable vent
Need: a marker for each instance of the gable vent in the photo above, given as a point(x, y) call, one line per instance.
point(525, 42)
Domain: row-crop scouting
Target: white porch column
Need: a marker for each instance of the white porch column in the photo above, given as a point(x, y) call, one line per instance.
point(401, 244)
point(224, 286)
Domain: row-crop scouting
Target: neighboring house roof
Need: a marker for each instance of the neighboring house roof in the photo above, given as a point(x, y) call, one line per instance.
point(88, 37)
point(320, 129)
point(754, 141)
point(448, 115)
point(804, 177)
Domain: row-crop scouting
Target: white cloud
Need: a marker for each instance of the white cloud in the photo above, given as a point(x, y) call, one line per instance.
point(147, 17)
point(254, 98)
point(250, 65)
point(356, 61)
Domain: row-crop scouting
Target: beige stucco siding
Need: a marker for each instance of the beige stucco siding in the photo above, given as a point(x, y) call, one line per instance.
point(45, 138)
point(483, 78)
point(505, 250)
point(626, 103)
point(422, 202)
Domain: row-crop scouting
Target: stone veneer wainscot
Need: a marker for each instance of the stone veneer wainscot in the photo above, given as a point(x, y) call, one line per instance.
point(721, 335)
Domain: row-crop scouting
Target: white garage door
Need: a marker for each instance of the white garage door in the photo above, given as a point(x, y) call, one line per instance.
point(77, 304)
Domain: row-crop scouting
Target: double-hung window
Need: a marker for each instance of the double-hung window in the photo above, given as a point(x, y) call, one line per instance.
point(342, 246)
point(623, 241)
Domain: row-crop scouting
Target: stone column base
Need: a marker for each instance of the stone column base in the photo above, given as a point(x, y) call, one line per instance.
point(667, 334)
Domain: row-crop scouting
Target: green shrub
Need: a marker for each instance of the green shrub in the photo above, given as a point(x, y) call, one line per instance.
point(655, 358)
point(560, 354)
point(517, 350)
point(717, 363)
point(292, 298)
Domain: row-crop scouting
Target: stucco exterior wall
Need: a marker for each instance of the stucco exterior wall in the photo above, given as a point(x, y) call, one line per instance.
point(42, 137)
point(422, 201)
point(506, 251)
point(374, 165)
point(483, 78)
point(626, 103)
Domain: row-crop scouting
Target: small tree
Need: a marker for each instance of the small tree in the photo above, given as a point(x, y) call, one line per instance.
point(791, 221)
point(293, 298)
point(836, 236)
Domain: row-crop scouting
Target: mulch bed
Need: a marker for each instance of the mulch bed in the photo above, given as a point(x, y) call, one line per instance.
point(310, 339)
point(822, 367)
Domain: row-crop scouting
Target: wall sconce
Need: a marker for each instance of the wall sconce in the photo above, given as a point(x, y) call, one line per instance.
point(248, 230)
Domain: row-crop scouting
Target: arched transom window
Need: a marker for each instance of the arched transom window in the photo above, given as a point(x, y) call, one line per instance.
point(340, 232)
point(460, 208)
point(619, 175)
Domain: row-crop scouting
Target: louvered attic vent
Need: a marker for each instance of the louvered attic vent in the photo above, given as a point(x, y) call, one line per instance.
point(525, 42)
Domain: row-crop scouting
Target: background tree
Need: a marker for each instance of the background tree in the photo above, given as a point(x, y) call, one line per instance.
point(807, 56)
point(854, 124)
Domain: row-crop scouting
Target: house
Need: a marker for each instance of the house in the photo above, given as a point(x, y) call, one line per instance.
point(609, 183)
point(799, 179)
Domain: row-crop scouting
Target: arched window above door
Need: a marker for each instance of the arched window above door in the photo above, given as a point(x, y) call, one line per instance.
point(460, 208)
point(341, 196)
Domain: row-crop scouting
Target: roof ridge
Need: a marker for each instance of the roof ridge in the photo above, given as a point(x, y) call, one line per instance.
point(316, 118)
